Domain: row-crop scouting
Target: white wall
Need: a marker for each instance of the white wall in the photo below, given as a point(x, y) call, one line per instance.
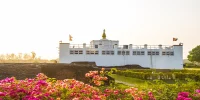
point(158, 61)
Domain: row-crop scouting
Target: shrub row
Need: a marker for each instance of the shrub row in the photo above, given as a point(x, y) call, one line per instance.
point(159, 75)
point(165, 70)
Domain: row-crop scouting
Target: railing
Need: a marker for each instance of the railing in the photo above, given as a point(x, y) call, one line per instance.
point(88, 46)
point(75, 46)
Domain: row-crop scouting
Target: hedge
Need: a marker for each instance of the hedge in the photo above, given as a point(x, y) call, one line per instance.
point(159, 75)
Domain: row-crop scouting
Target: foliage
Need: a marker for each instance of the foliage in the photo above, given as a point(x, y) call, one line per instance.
point(191, 65)
point(148, 75)
point(23, 58)
point(194, 54)
point(43, 88)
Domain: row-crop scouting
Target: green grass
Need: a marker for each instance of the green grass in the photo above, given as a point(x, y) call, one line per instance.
point(137, 82)
point(192, 68)
point(128, 80)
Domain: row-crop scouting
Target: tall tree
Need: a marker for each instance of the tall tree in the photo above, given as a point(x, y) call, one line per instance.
point(33, 55)
point(194, 54)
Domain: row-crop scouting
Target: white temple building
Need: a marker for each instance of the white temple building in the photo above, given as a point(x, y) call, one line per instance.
point(109, 53)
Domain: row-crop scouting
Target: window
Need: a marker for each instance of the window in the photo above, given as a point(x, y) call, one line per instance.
point(138, 52)
point(76, 51)
point(123, 52)
point(134, 52)
point(171, 53)
point(96, 46)
point(127, 52)
point(119, 52)
point(168, 53)
point(163, 53)
point(142, 52)
point(107, 52)
point(80, 52)
point(96, 52)
point(87, 52)
point(92, 52)
point(149, 52)
point(153, 53)
point(157, 52)
point(71, 52)
point(103, 52)
point(112, 52)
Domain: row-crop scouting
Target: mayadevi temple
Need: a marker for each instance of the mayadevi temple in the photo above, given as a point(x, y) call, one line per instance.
point(105, 52)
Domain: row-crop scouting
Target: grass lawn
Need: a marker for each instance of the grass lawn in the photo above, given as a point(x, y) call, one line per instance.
point(134, 81)
point(192, 68)
point(127, 80)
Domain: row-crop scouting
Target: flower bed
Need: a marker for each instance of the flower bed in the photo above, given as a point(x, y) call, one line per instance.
point(43, 88)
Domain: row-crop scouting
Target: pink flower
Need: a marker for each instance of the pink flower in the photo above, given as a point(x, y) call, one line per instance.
point(116, 92)
point(198, 90)
point(183, 96)
point(2, 94)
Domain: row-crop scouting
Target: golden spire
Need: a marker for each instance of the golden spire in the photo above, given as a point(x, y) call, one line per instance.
point(104, 34)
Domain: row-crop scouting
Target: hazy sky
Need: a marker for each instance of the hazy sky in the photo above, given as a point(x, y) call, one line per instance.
point(39, 25)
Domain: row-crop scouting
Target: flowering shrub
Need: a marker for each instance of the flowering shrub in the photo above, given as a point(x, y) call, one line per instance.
point(43, 88)
point(96, 77)
point(183, 96)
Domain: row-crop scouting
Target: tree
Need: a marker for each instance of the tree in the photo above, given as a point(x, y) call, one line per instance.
point(26, 56)
point(33, 55)
point(194, 55)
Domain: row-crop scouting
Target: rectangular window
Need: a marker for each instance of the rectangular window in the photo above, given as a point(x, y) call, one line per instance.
point(119, 52)
point(96, 52)
point(171, 53)
point(80, 52)
point(142, 52)
point(71, 52)
point(168, 53)
point(127, 52)
point(103, 52)
point(112, 52)
point(149, 52)
point(134, 52)
point(163, 53)
point(96, 46)
point(87, 52)
point(123, 52)
point(76, 52)
point(107, 52)
point(138, 52)
point(157, 52)
point(92, 52)
point(153, 53)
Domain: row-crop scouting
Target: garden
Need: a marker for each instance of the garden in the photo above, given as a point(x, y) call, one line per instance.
point(152, 88)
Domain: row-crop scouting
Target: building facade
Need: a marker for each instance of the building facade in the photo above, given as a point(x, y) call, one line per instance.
point(109, 53)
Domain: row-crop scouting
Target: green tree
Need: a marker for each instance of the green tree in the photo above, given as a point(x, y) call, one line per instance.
point(194, 55)
point(33, 55)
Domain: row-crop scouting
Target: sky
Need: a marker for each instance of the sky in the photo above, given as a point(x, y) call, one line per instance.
point(39, 25)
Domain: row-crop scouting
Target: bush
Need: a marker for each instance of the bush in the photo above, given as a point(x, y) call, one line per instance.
point(147, 75)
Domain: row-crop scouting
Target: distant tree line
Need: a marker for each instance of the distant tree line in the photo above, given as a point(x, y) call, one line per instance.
point(23, 58)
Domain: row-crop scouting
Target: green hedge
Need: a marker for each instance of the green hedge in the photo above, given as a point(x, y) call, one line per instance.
point(159, 75)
